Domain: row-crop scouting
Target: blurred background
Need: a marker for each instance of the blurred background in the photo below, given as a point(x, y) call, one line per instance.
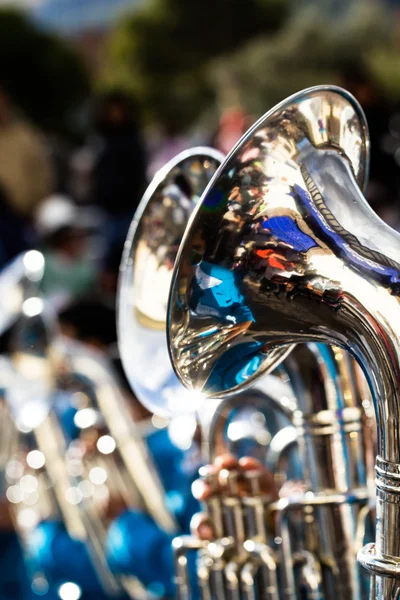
point(96, 95)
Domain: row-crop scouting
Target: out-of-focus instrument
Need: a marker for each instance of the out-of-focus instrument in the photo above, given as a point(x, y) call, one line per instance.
point(40, 479)
point(83, 474)
point(145, 274)
point(105, 467)
point(113, 470)
point(26, 267)
point(293, 253)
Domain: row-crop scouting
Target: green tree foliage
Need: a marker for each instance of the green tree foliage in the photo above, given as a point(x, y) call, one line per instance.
point(161, 52)
point(185, 58)
point(42, 74)
point(314, 47)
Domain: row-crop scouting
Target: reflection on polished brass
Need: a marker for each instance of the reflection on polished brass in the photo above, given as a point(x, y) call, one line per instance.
point(260, 416)
point(334, 433)
point(145, 276)
point(257, 239)
point(284, 248)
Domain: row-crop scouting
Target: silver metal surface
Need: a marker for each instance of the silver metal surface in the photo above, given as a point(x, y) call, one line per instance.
point(260, 414)
point(332, 434)
point(320, 528)
point(145, 276)
point(248, 268)
point(282, 249)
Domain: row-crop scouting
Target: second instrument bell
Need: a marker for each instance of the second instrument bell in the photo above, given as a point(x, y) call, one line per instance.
point(145, 275)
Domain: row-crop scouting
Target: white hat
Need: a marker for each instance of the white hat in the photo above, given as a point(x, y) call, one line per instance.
point(54, 213)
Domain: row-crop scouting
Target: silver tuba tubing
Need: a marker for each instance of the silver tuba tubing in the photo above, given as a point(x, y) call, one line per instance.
point(305, 258)
point(50, 370)
point(313, 547)
point(132, 478)
point(241, 557)
point(332, 433)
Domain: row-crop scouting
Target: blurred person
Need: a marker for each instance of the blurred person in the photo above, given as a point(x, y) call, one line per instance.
point(60, 149)
point(167, 143)
point(136, 545)
point(14, 236)
point(233, 124)
point(80, 172)
point(25, 169)
point(91, 318)
point(119, 164)
point(70, 268)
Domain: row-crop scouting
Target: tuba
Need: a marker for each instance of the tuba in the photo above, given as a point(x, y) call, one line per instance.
point(40, 482)
point(145, 274)
point(309, 538)
point(292, 254)
point(79, 458)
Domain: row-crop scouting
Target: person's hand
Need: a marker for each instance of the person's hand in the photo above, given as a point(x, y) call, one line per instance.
point(244, 467)
point(247, 469)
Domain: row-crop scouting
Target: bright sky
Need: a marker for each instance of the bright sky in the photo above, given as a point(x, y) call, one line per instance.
point(27, 3)
point(72, 15)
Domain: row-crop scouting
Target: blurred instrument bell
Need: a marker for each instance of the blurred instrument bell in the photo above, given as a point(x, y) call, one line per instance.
point(145, 274)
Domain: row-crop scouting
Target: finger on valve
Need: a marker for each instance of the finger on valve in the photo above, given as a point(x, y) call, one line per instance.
point(201, 527)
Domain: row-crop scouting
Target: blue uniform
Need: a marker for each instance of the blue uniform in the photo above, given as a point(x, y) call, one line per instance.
point(135, 544)
point(61, 559)
point(14, 584)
